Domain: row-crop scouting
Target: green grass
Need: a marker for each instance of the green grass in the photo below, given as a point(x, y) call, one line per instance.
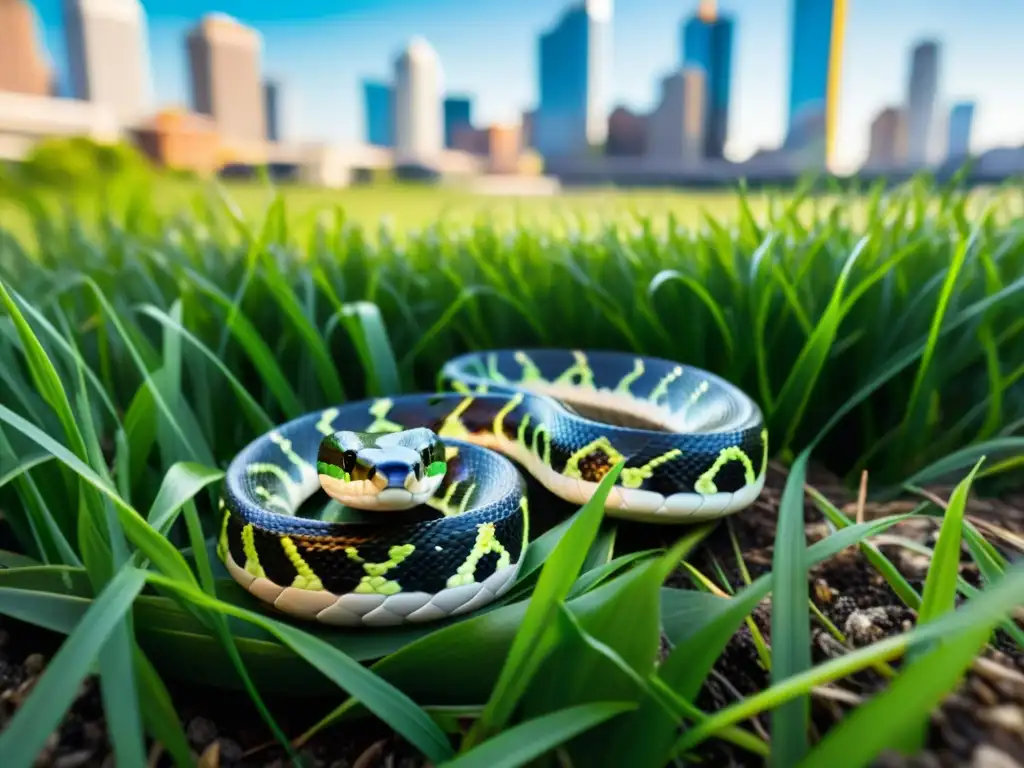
point(150, 332)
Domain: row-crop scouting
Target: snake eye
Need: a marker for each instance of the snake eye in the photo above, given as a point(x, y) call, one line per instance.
point(348, 459)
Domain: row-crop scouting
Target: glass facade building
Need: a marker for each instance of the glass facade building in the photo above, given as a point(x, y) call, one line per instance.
point(458, 113)
point(707, 44)
point(378, 107)
point(569, 114)
point(815, 41)
point(961, 119)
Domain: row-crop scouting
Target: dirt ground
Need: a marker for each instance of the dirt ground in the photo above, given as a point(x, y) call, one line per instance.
point(980, 725)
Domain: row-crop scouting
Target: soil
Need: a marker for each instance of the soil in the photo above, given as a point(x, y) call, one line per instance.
point(980, 725)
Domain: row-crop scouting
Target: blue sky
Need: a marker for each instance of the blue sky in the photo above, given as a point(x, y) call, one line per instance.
point(321, 50)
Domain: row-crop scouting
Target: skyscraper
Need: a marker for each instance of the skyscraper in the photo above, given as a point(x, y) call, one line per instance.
point(108, 55)
point(676, 127)
point(419, 125)
point(379, 113)
point(819, 27)
point(272, 109)
point(22, 66)
point(707, 44)
point(227, 82)
point(458, 113)
point(573, 63)
point(961, 119)
point(888, 147)
point(922, 91)
point(627, 133)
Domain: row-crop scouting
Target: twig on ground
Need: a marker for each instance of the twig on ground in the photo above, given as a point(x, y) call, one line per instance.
point(754, 721)
point(862, 495)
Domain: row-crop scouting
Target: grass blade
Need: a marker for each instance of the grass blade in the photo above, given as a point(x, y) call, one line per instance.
point(527, 741)
point(556, 579)
point(153, 545)
point(880, 723)
point(790, 622)
point(378, 696)
point(943, 571)
point(27, 732)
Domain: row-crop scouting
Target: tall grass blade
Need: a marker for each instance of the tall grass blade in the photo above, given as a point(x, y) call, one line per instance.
point(532, 641)
point(790, 622)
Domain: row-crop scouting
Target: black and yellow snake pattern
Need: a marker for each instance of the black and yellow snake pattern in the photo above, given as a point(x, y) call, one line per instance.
point(695, 447)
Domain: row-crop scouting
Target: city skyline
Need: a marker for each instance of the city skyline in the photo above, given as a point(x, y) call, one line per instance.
point(340, 116)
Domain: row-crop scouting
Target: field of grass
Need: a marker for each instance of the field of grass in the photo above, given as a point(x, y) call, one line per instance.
point(146, 340)
point(407, 207)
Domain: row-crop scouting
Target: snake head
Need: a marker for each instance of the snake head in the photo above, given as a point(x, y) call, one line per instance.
point(391, 471)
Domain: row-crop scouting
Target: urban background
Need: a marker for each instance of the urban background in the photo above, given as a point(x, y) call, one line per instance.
point(236, 116)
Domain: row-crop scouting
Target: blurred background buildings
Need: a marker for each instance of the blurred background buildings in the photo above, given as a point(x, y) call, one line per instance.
point(236, 111)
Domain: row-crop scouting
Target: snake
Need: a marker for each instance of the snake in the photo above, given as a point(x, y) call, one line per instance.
point(423, 503)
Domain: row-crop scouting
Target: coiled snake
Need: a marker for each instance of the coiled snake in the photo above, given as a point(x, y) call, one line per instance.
point(695, 448)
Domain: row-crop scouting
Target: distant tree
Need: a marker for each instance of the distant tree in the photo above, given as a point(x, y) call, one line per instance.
point(80, 162)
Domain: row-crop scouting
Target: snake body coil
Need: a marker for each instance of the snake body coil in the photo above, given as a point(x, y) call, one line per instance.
point(695, 448)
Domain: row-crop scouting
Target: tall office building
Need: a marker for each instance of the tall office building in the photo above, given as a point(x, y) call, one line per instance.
point(888, 142)
point(379, 113)
point(627, 133)
point(573, 74)
point(227, 82)
point(922, 92)
point(108, 55)
point(961, 120)
point(22, 66)
point(818, 31)
point(527, 122)
point(675, 130)
point(419, 127)
point(458, 114)
point(707, 44)
point(272, 109)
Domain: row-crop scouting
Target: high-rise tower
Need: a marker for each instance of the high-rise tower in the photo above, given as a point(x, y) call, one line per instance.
point(958, 143)
point(707, 44)
point(108, 55)
point(22, 66)
point(272, 108)
point(574, 57)
point(675, 129)
point(887, 150)
point(419, 125)
point(227, 82)
point(819, 28)
point(458, 114)
point(378, 113)
point(922, 93)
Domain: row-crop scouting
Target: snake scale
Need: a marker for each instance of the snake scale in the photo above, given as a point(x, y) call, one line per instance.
point(448, 519)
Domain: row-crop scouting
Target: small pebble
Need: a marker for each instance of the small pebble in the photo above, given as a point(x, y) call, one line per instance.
point(200, 731)
point(913, 564)
point(34, 663)
point(1008, 717)
point(230, 751)
point(985, 694)
point(987, 756)
point(74, 759)
point(93, 733)
point(867, 625)
point(823, 591)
